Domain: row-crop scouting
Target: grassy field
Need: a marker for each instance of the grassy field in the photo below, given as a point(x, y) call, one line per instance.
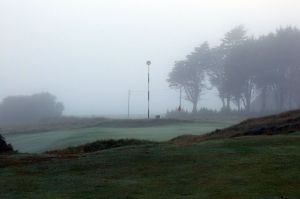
point(264, 167)
point(154, 131)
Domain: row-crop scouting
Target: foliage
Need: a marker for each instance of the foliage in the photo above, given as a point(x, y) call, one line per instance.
point(254, 74)
point(240, 74)
point(4, 147)
point(28, 109)
point(189, 74)
point(205, 114)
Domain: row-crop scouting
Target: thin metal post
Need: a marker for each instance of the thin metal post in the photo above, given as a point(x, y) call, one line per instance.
point(148, 63)
point(129, 95)
point(148, 91)
point(180, 100)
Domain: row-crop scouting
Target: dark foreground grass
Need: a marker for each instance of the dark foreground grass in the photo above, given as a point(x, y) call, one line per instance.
point(100, 145)
point(256, 167)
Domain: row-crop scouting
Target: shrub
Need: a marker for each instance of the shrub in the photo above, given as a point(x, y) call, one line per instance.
point(29, 109)
point(4, 147)
point(100, 145)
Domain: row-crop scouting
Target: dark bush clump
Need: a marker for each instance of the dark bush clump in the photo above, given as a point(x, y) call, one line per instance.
point(99, 146)
point(4, 147)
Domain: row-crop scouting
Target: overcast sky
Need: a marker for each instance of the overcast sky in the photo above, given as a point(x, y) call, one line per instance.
point(90, 52)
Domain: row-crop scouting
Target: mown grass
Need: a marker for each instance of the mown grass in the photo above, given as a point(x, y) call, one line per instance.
point(250, 167)
point(159, 130)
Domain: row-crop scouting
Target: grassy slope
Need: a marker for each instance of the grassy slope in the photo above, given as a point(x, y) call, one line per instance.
point(160, 130)
point(249, 167)
point(284, 123)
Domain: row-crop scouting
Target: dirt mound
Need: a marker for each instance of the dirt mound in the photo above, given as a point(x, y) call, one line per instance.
point(283, 123)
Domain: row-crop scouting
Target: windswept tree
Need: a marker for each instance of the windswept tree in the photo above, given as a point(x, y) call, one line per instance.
point(268, 68)
point(216, 73)
point(233, 38)
point(189, 74)
point(217, 67)
point(246, 72)
point(279, 68)
point(240, 70)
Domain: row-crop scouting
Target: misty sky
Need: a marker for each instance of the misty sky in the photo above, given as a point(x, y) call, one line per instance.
point(90, 52)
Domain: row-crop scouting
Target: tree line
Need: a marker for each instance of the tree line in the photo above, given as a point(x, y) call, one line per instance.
point(250, 74)
point(29, 109)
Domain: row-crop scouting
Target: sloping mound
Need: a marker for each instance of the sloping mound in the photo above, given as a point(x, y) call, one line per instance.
point(99, 146)
point(283, 123)
point(4, 147)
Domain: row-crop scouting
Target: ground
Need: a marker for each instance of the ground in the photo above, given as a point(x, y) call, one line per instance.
point(248, 167)
point(38, 142)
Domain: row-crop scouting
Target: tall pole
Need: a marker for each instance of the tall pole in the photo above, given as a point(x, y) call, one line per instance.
point(129, 95)
point(148, 63)
point(180, 100)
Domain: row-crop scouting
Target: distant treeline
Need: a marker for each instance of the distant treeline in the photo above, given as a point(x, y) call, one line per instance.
point(29, 109)
point(250, 74)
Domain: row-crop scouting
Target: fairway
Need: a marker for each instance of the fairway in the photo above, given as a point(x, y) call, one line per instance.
point(44, 141)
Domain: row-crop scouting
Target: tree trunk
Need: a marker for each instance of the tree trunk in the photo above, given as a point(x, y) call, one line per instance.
point(263, 99)
point(223, 103)
point(248, 104)
point(195, 104)
point(228, 104)
point(280, 101)
point(248, 101)
point(239, 104)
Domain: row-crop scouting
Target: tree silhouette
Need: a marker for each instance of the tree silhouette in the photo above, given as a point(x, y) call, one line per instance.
point(190, 74)
point(26, 109)
point(245, 70)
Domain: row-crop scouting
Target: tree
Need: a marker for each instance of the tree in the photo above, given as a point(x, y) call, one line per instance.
point(190, 74)
point(216, 73)
point(245, 70)
point(279, 70)
point(287, 59)
point(217, 67)
point(233, 38)
point(240, 70)
point(27, 109)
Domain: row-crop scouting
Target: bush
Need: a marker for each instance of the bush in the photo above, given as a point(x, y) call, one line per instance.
point(100, 145)
point(29, 109)
point(4, 147)
point(209, 114)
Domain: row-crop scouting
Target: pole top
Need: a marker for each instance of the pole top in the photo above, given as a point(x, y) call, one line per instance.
point(148, 62)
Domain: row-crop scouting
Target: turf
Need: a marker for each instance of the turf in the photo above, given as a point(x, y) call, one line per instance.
point(283, 123)
point(161, 131)
point(264, 167)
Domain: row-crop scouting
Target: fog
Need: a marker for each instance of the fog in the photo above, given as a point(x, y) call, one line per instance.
point(90, 53)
